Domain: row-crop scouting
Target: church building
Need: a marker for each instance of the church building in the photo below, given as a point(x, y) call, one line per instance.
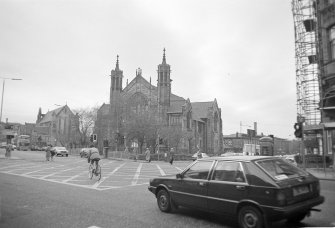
point(200, 120)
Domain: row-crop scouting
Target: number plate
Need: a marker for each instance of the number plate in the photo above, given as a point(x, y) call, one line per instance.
point(300, 190)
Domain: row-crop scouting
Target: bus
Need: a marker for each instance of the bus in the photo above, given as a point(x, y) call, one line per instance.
point(23, 142)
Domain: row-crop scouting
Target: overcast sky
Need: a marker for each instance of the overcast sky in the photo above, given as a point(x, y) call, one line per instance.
point(240, 52)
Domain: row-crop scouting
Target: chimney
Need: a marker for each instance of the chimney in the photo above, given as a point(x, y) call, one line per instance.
point(255, 128)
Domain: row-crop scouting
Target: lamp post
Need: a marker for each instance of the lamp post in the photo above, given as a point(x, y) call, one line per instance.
point(3, 90)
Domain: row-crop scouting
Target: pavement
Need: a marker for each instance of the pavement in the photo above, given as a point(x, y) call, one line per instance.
point(322, 174)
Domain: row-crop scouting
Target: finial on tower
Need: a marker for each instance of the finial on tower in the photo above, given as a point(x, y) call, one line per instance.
point(164, 60)
point(117, 63)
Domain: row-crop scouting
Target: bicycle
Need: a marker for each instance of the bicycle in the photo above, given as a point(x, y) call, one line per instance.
point(96, 172)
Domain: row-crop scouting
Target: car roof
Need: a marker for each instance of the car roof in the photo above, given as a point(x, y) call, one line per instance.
point(238, 158)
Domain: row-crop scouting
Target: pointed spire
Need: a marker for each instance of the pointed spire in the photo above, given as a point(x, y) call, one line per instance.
point(164, 60)
point(117, 63)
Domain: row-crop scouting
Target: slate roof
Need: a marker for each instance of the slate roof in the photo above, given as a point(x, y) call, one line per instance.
point(200, 109)
point(176, 106)
point(48, 116)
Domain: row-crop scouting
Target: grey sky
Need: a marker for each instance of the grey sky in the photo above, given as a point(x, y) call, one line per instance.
point(240, 52)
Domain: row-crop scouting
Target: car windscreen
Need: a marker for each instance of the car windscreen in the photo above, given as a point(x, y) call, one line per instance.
point(280, 169)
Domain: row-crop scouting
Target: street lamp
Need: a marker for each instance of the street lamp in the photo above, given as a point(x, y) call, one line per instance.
point(3, 90)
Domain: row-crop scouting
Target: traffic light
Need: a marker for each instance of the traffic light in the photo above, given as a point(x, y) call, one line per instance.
point(91, 138)
point(298, 130)
point(95, 137)
point(160, 141)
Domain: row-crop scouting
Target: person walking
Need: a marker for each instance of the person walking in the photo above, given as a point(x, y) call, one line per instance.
point(171, 156)
point(48, 153)
point(147, 155)
point(52, 153)
point(8, 150)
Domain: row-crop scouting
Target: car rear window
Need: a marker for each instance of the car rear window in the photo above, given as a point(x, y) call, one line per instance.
point(280, 169)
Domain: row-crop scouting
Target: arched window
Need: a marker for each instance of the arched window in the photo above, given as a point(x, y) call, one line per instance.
point(117, 83)
point(188, 120)
point(331, 37)
point(216, 122)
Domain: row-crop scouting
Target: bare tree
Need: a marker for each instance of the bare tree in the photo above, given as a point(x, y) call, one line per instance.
point(87, 118)
point(173, 135)
point(142, 127)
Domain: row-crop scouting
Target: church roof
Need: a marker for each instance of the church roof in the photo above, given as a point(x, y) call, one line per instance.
point(176, 106)
point(48, 116)
point(200, 109)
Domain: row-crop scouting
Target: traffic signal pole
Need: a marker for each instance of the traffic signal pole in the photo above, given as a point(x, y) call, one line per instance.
point(303, 147)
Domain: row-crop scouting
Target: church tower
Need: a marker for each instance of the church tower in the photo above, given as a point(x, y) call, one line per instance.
point(116, 83)
point(164, 86)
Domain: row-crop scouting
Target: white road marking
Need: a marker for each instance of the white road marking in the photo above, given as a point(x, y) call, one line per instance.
point(108, 175)
point(179, 168)
point(128, 176)
point(160, 170)
point(58, 172)
point(24, 174)
point(137, 174)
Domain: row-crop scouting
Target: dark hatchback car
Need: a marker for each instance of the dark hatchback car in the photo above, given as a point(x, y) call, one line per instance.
point(256, 189)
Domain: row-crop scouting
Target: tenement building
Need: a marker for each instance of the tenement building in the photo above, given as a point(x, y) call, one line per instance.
point(195, 125)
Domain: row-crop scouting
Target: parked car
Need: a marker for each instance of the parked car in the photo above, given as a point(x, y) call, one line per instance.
point(200, 155)
point(84, 152)
point(254, 189)
point(60, 151)
point(3, 145)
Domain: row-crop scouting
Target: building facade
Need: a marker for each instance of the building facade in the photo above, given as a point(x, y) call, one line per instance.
point(201, 121)
point(59, 127)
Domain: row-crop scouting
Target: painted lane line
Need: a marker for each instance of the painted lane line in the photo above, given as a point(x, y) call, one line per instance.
point(160, 170)
point(24, 174)
point(74, 177)
point(56, 173)
point(108, 175)
point(179, 168)
point(137, 174)
point(10, 166)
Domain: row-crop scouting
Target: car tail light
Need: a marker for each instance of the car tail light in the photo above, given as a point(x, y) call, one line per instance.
point(318, 187)
point(281, 198)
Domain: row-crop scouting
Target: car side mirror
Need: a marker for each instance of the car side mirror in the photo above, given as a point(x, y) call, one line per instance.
point(179, 176)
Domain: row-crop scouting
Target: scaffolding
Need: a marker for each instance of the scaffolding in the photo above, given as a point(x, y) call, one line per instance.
point(306, 58)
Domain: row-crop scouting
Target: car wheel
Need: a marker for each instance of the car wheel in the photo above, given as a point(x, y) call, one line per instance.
point(297, 218)
point(250, 217)
point(163, 200)
point(67, 155)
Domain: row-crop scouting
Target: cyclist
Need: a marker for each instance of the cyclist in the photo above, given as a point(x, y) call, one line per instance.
point(93, 155)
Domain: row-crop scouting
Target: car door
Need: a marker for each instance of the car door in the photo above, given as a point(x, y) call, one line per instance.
point(227, 186)
point(191, 189)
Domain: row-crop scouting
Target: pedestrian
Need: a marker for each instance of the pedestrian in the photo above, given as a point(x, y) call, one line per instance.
point(8, 150)
point(171, 156)
point(48, 153)
point(52, 153)
point(147, 155)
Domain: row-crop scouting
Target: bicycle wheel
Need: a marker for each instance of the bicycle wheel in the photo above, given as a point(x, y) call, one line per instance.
point(98, 172)
point(90, 171)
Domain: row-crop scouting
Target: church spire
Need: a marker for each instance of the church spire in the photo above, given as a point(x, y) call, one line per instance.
point(164, 60)
point(117, 63)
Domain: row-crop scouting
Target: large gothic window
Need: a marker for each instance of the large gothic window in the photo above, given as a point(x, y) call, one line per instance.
point(188, 120)
point(216, 122)
point(138, 103)
point(331, 34)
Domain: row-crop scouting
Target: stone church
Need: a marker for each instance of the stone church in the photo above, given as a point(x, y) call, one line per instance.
point(201, 120)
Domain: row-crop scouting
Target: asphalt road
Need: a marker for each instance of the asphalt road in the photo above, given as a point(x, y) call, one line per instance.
point(59, 194)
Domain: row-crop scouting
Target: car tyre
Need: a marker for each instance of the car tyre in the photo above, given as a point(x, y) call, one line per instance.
point(163, 200)
point(250, 217)
point(297, 218)
point(67, 155)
